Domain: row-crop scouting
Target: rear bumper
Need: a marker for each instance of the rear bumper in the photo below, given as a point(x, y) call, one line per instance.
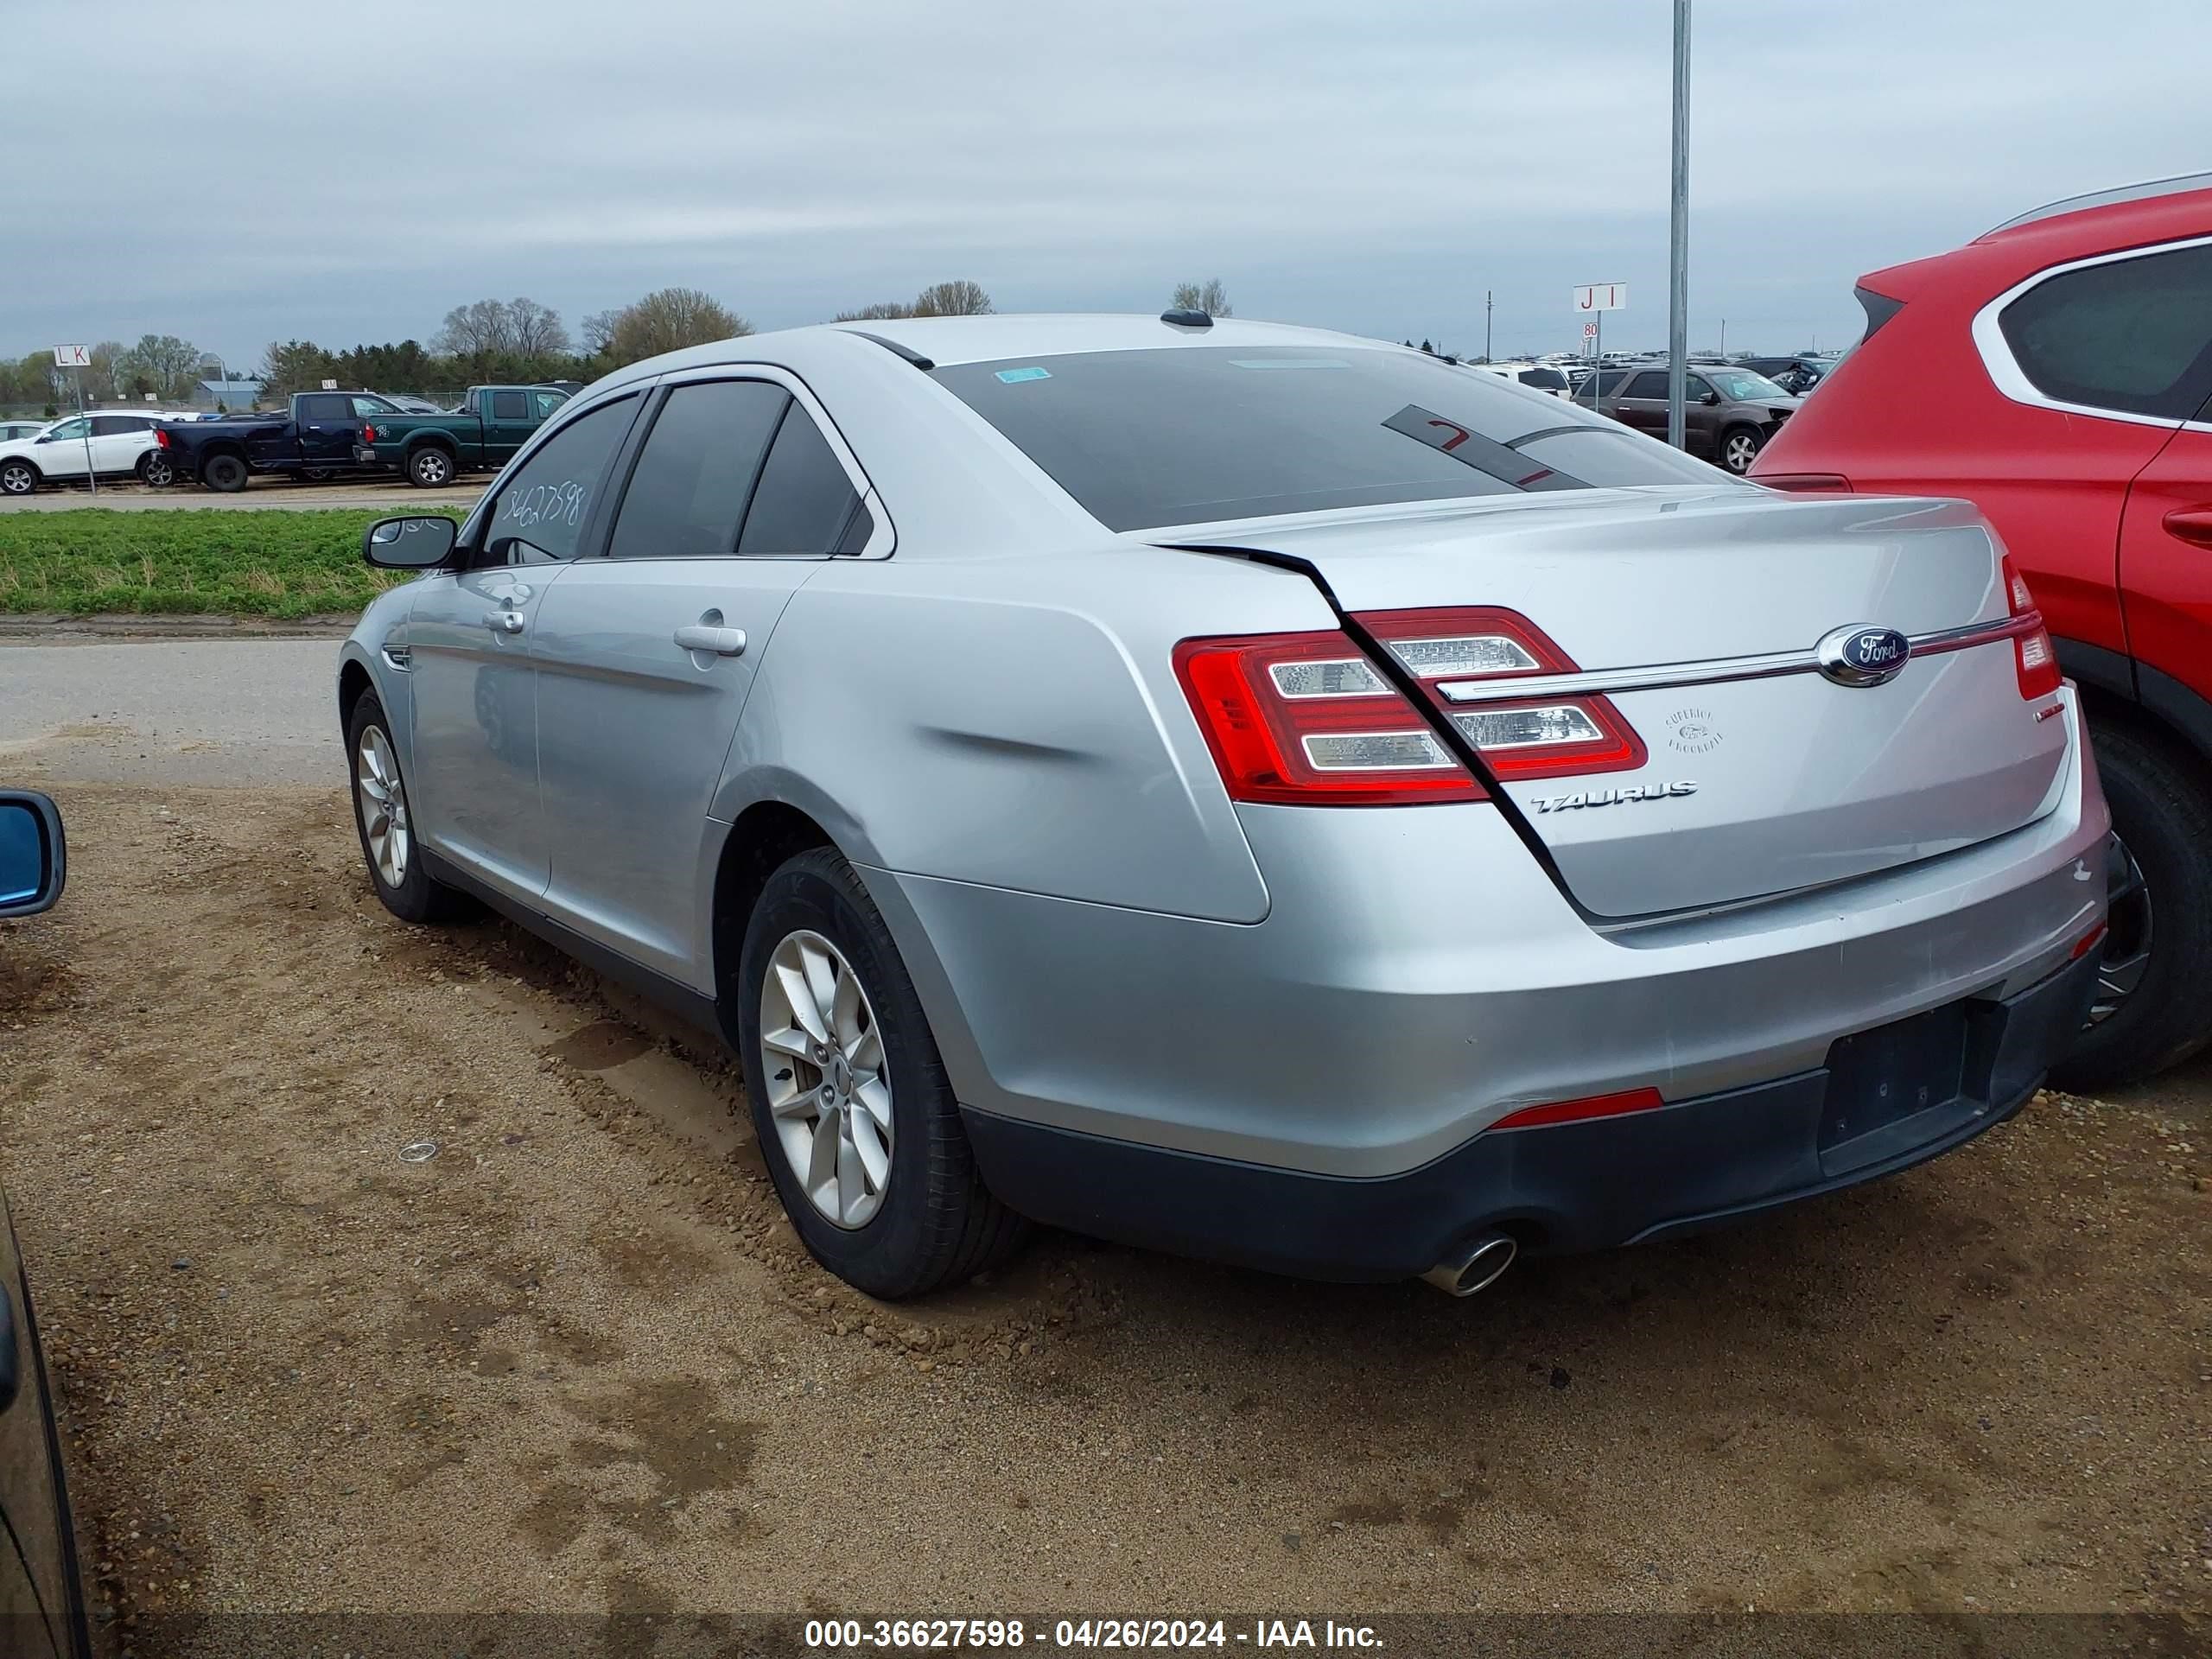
point(1585, 1185)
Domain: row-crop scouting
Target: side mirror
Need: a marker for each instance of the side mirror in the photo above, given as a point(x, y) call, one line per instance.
point(411, 544)
point(1710, 397)
point(46, 437)
point(32, 860)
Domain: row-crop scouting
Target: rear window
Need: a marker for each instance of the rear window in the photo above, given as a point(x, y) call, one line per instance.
point(2134, 335)
point(1193, 434)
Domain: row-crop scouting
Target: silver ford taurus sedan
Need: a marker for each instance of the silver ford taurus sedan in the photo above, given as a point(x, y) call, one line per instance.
point(1241, 790)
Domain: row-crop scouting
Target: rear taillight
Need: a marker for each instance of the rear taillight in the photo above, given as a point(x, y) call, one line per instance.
point(2034, 657)
point(161, 438)
point(1806, 483)
point(1538, 737)
point(1306, 720)
point(368, 434)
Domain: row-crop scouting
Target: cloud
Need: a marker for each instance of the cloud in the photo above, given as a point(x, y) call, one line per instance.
point(349, 174)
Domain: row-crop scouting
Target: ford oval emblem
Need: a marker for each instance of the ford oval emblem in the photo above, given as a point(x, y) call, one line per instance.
point(1864, 655)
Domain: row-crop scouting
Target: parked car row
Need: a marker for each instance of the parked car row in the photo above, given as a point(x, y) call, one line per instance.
point(321, 434)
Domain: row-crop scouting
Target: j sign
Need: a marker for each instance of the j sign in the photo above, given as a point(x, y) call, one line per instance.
point(1602, 296)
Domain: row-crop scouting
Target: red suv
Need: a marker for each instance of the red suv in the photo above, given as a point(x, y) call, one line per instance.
point(2057, 372)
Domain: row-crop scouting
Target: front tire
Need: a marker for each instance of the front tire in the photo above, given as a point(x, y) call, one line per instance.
point(1740, 447)
point(385, 825)
point(18, 478)
point(855, 1114)
point(225, 473)
point(2150, 1011)
point(429, 469)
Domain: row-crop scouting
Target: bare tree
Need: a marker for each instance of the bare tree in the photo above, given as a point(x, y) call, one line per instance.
point(881, 311)
point(955, 299)
point(599, 331)
point(668, 320)
point(161, 364)
point(535, 329)
point(1209, 297)
point(477, 329)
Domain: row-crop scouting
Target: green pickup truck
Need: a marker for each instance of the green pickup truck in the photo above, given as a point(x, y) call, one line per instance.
point(480, 434)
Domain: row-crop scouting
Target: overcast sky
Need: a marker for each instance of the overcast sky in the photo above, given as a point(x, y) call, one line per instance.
point(243, 172)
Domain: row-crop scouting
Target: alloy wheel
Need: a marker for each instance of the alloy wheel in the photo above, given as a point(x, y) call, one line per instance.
point(828, 1092)
point(2126, 954)
point(1741, 450)
point(18, 479)
point(431, 468)
point(383, 806)
point(158, 473)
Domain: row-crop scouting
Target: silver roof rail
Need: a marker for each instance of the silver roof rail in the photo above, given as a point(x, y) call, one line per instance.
point(2142, 192)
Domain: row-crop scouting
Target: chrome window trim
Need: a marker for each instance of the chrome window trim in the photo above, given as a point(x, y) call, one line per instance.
point(1598, 682)
point(2011, 380)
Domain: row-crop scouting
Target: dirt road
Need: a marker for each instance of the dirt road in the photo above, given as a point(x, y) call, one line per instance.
point(575, 1362)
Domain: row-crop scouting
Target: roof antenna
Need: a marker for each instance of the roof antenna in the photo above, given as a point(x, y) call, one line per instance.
point(1187, 317)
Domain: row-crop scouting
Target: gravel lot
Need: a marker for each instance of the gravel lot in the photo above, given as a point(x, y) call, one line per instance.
point(575, 1362)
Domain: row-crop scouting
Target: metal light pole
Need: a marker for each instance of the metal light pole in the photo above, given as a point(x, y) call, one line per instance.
point(1486, 305)
point(1678, 239)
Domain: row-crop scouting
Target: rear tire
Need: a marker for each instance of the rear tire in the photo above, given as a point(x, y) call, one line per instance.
point(18, 477)
point(2162, 811)
point(929, 1221)
point(317, 474)
point(225, 473)
point(389, 844)
point(155, 471)
point(1740, 447)
point(431, 468)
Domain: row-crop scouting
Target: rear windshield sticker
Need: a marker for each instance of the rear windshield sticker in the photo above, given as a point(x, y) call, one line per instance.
point(1011, 375)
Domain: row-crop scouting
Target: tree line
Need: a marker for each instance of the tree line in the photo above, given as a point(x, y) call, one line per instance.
point(515, 341)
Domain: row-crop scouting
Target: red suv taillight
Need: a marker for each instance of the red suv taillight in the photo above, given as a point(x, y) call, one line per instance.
point(2034, 657)
point(1539, 737)
point(1306, 720)
point(161, 437)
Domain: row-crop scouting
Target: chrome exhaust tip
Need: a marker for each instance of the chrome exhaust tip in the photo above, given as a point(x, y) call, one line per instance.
point(1475, 1267)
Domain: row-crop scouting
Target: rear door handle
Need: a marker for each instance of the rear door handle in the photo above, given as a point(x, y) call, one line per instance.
point(724, 642)
point(503, 621)
point(2191, 524)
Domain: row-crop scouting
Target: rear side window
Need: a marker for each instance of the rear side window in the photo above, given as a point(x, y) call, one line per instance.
point(109, 426)
point(543, 509)
point(806, 501)
point(1647, 385)
point(510, 406)
point(1545, 379)
point(2133, 335)
point(1199, 433)
point(688, 493)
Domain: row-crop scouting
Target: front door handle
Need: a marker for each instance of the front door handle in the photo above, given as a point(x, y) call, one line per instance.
point(2191, 524)
point(503, 621)
point(724, 642)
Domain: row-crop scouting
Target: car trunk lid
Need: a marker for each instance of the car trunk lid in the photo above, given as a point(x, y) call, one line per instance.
point(1692, 617)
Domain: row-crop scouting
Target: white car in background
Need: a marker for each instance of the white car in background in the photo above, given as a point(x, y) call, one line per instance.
point(10, 430)
point(1544, 376)
point(110, 444)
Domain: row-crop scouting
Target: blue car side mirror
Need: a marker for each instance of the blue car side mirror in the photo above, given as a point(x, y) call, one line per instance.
point(33, 861)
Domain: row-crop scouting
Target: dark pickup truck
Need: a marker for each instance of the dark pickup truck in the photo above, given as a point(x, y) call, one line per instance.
point(480, 434)
point(314, 441)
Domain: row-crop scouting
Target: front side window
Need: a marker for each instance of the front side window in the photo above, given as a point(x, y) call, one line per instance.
point(2133, 335)
point(1188, 434)
point(805, 503)
point(687, 494)
point(82, 427)
point(510, 406)
point(544, 506)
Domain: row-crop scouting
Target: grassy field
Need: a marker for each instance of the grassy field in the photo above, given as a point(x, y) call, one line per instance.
point(273, 563)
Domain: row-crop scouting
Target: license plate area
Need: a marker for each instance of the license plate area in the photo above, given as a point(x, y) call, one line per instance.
point(1899, 1085)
